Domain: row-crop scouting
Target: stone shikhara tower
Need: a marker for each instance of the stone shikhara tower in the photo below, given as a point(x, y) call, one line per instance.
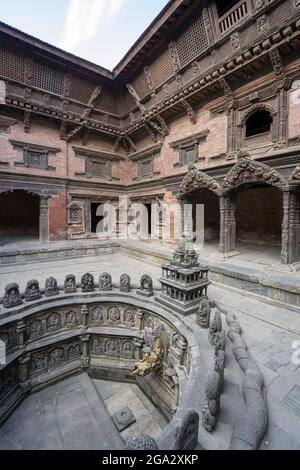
point(184, 282)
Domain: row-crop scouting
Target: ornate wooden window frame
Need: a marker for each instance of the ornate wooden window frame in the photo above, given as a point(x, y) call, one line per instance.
point(192, 142)
point(43, 152)
point(146, 156)
point(93, 157)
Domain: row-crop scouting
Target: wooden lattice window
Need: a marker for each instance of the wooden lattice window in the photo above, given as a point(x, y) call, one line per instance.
point(81, 89)
point(162, 69)
point(12, 63)
point(192, 41)
point(107, 102)
point(141, 86)
point(48, 76)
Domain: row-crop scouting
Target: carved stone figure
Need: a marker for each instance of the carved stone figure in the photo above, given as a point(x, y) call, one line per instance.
point(105, 282)
point(56, 358)
point(37, 363)
point(53, 322)
point(96, 346)
point(12, 296)
point(141, 442)
point(75, 214)
point(70, 284)
point(51, 287)
point(215, 328)
point(71, 320)
point(129, 316)
point(151, 361)
point(146, 288)
point(112, 348)
point(97, 315)
point(36, 329)
point(125, 283)
point(32, 291)
point(87, 283)
point(203, 314)
point(74, 351)
point(220, 342)
point(114, 314)
point(213, 392)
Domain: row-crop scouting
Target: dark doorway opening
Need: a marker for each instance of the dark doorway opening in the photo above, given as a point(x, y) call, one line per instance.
point(95, 219)
point(149, 211)
point(19, 217)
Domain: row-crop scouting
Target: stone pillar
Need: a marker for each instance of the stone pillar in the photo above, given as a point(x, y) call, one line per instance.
point(85, 316)
point(21, 328)
point(227, 226)
point(182, 345)
point(290, 248)
point(140, 318)
point(24, 380)
point(85, 353)
point(44, 220)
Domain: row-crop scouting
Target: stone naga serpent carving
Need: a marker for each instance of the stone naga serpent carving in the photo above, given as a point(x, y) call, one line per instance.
point(252, 427)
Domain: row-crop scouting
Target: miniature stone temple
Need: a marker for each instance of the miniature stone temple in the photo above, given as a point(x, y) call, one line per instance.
point(184, 282)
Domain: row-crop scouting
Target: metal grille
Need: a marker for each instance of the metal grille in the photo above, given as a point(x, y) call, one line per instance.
point(192, 42)
point(140, 85)
point(12, 63)
point(107, 102)
point(162, 69)
point(48, 76)
point(81, 90)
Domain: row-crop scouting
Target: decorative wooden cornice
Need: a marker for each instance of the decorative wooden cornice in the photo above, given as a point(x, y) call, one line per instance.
point(96, 154)
point(150, 151)
point(191, 138)
point(32, 146)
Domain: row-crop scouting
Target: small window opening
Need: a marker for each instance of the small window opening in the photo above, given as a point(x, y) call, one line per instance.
point(258, 123)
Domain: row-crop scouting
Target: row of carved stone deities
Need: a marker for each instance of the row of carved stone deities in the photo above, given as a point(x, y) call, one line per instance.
point(13, 297)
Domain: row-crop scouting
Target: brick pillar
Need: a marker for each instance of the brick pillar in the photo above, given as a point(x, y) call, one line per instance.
point(44, 220)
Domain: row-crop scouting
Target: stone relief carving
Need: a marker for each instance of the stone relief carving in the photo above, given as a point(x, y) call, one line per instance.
point(141, 442)
point(75, 212)
point(112, 348)
point(53, 322)
point(74, 351)
point(12, 296)
point(87, 283)
point(71, 320)
point(127, 350)
point(32, 291)
point(70, 284)
point(105, 282)
point(203, 315)
point(56, 358)
point(97, 315)
point(114, 314)
point(37, 364)
point(196, 179)
point(247, 170)
point(51, 288)
point(96, 346)
point(35, 329)
point(125, 283)
point(129, 316)
point(235, 41)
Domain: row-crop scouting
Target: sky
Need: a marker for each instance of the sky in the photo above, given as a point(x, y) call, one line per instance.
point(101, 31)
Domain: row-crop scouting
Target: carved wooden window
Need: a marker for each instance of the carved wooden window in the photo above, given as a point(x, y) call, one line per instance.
point(12, 63)
point(258, 123)
point(97, 168)
point(146, 168)
point(192, 42)
point(48, 76)
point(81, 89)
point(35, 156)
